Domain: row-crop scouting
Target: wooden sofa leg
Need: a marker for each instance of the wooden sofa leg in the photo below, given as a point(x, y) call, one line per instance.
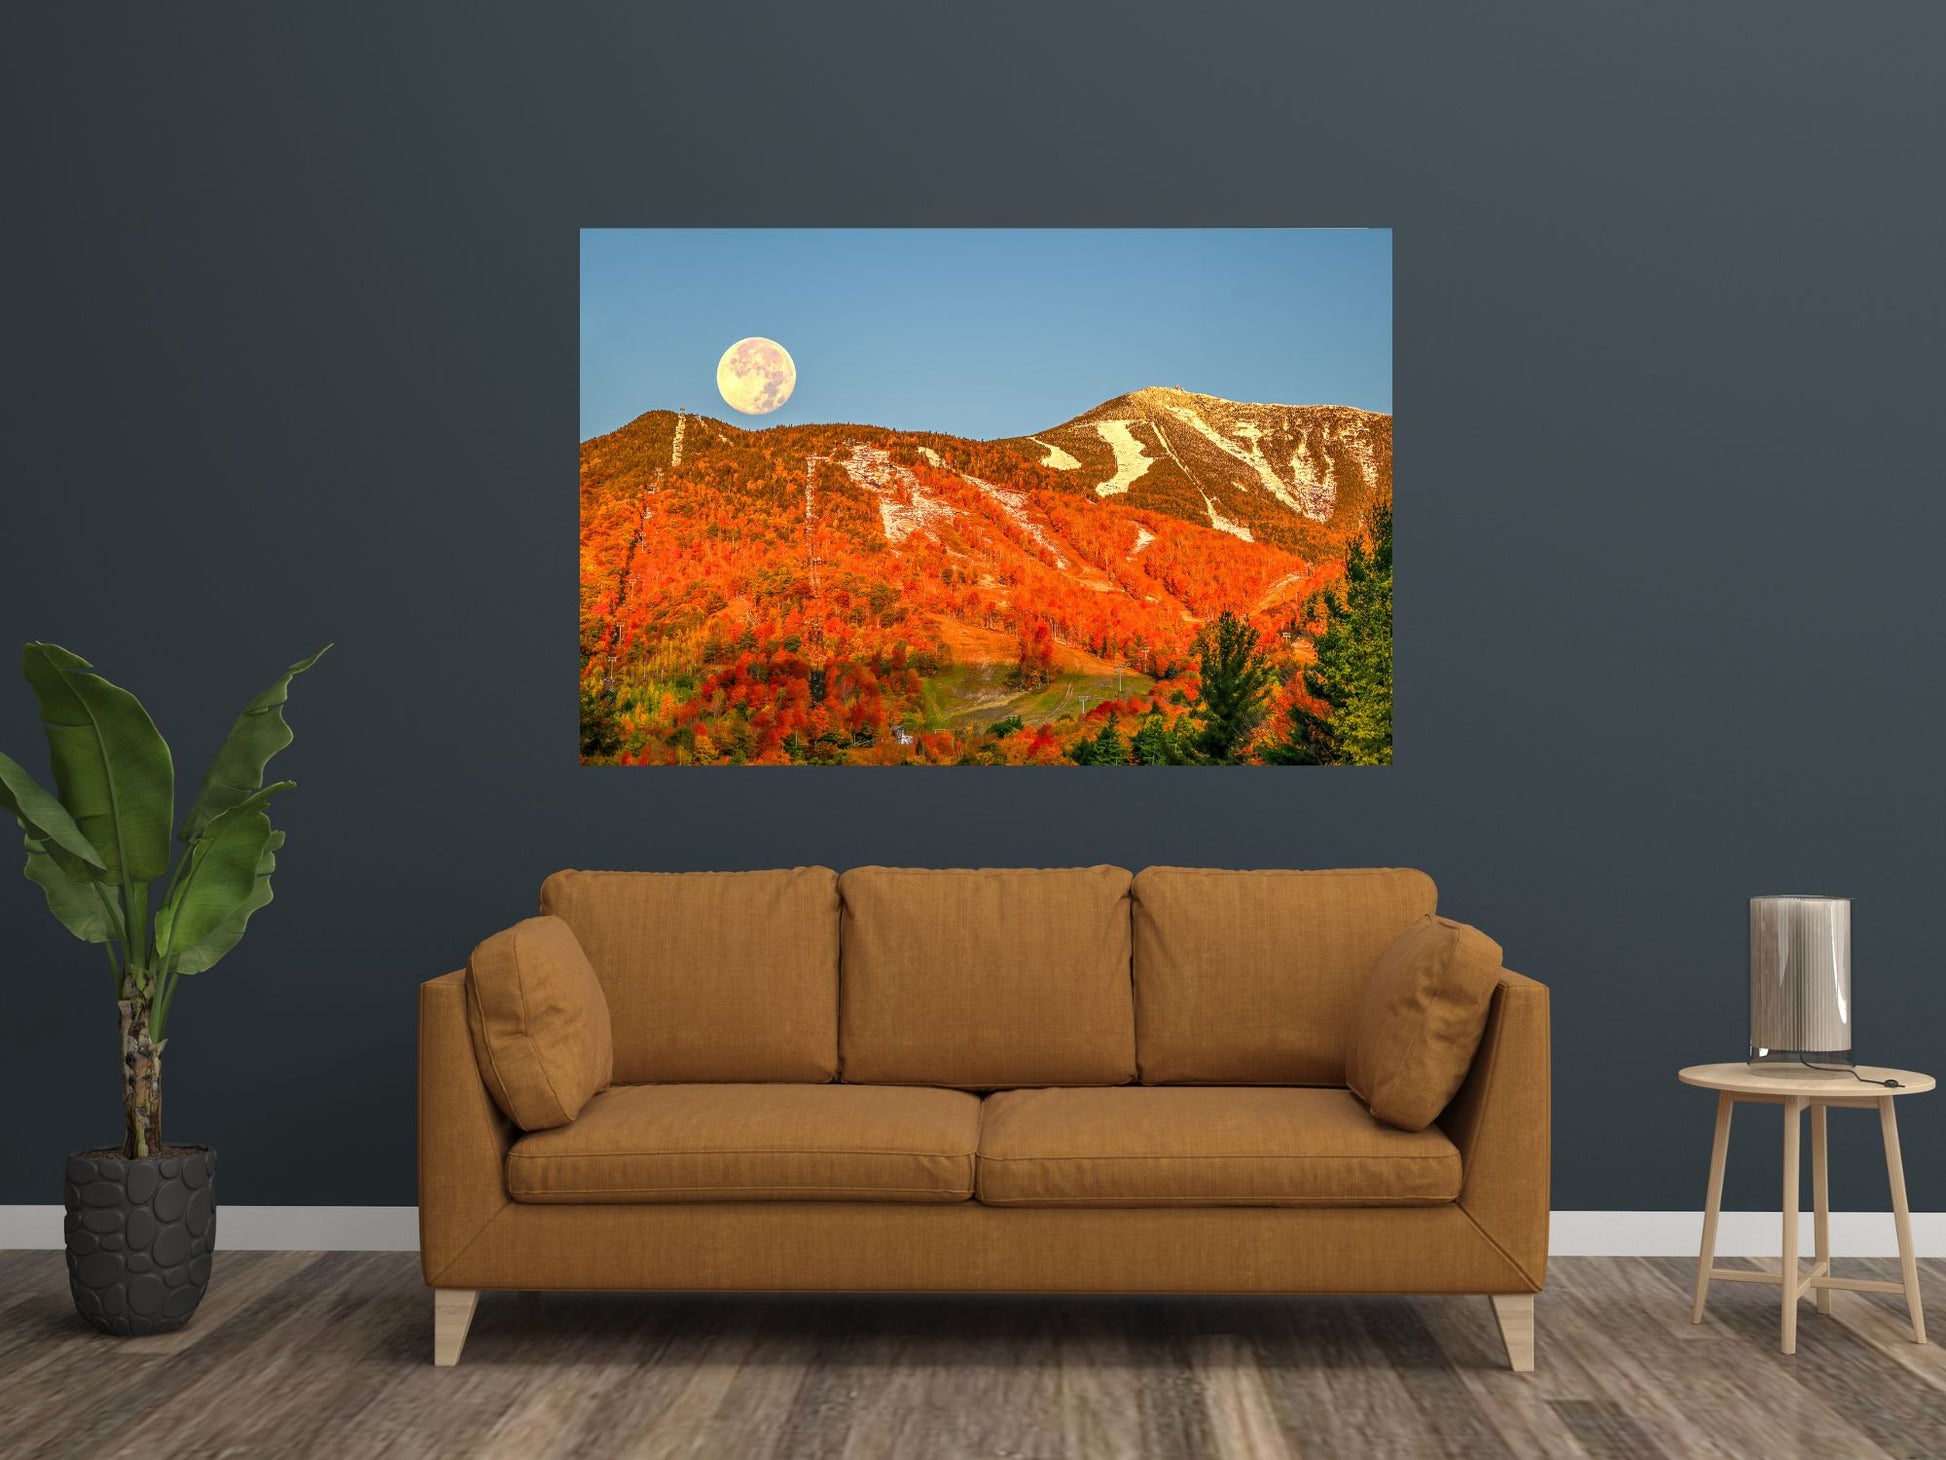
point(452, 1315)
point(1515, 1313)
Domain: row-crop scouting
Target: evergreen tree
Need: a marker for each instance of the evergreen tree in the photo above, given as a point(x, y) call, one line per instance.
point(601, 737)
point(1306, 740)
point(1106, 748)
point(1353, 673)
point(1153, 745)
point(1236, 677)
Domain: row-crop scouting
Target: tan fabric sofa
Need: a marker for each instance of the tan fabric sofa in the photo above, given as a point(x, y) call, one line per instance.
point(1070, 1081)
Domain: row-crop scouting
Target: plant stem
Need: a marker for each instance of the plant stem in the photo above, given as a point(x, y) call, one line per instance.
point(141, 1078)
point(165, 998)
point(135, 912)
point(112, 909)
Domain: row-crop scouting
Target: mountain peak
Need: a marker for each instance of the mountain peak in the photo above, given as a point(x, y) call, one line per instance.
point(1167, 397)
point(1301, 477)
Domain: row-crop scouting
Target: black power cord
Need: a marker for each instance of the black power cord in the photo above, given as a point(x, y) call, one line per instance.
point(1848, 1070)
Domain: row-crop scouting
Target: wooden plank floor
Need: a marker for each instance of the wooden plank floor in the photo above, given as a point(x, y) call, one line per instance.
point(326, 1354)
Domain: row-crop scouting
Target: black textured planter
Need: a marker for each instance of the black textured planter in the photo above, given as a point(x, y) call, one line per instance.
point(140, 1234)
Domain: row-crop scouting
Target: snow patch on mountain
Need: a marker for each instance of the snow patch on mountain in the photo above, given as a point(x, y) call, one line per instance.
point(1131, 458)
point(1224, 524)
point(1358, 446)
point(1056, 457)
point(1014, 505)
point(904, 507)
point(1143, 537)
point(1318, 490)
point(933, 458)
point(1252, 457)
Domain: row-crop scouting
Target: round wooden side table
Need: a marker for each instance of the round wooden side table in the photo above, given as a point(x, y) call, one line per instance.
point(1797, 1088)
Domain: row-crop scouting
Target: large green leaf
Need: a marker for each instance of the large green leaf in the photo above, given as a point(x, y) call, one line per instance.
point(225, 878)
point(207, 951)
point(79, 902)
point(43, 818)
point(238, 770)
point(111, 766)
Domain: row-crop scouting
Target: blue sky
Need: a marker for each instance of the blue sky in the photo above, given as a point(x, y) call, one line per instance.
point(983, 333)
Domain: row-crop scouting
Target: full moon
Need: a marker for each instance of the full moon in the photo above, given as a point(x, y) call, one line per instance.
point(756, 375)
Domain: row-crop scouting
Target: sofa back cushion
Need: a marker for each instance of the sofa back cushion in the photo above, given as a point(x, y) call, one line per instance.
point(539, 1022)
point(1250, 978)
point(1419, 1021)
point(711, 975)
point(987, 979)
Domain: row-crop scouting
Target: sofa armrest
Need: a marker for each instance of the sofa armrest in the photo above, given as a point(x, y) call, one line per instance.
point(1500, 1120)
point(463, 1137)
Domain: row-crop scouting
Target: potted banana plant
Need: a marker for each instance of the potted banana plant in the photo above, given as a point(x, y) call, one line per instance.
point(141, 1217)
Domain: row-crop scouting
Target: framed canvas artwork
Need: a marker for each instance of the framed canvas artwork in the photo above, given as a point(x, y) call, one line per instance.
point(986, 497)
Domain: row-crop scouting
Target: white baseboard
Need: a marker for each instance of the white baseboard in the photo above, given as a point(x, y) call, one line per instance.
point(1572, 1234)
point(254, 1229)
point(1738, 1234)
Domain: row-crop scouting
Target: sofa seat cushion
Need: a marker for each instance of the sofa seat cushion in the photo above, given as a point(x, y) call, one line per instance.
point(1198, 1146)
point(729, 1142)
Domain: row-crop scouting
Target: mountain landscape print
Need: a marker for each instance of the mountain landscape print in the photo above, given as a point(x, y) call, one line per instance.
point(867, 497)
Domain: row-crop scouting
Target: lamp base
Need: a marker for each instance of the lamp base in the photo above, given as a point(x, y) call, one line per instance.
point(1772, 1059)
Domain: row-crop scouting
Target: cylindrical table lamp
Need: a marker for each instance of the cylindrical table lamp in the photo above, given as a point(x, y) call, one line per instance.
point(1800, 980)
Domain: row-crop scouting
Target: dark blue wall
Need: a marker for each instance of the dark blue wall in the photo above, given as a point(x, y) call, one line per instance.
point(290, 356)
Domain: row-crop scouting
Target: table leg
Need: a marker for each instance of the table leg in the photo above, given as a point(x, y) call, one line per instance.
point(1902, 1218)
point(1793, 1108)
point(1713, 1204)
point(1820, 1203)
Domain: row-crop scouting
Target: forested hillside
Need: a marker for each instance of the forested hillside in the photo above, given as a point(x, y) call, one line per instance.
point(839, 594)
